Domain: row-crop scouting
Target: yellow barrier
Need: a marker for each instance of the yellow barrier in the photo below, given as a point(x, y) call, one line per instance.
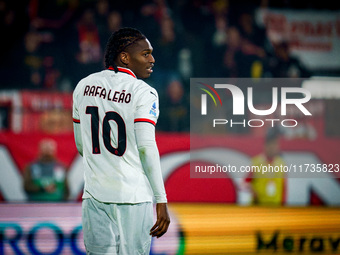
point(229, 229)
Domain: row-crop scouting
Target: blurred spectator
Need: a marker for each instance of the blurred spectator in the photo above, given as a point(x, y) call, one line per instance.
point(239, 46)
point(175, 108)
point(252, 33)
point(185, 65)
point(197, 21)
point(52, 14)
point(217, 41)
point(168, 42)
point(168, 48)
point(114, 21)
point(219, 37)
point(45, 179)
point(268, 188)
point(102, 10)
point(88, 39)
point(85, 47)
point(151, 15)
point(36, 62)
point(233, 47)
point(283, 65)
point(224, 56)
point(251, 60)
point(220, 11)
point(50, 19)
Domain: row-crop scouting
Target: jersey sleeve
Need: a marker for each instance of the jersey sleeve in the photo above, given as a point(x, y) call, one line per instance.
point(75, 112)
point(149, 156)
point(147, 107)
point(76, 126)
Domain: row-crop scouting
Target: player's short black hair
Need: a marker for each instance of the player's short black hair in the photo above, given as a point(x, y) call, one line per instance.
point(118, 42)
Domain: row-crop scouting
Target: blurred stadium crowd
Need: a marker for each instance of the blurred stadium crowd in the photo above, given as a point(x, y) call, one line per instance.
point(51, 45)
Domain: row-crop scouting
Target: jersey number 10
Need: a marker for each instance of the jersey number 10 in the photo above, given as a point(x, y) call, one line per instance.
point(121, 145)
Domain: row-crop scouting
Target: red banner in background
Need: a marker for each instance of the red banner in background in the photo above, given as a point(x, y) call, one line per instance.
point(46, 112)
point(313, 36)
point(41, 101)
point(17, 150)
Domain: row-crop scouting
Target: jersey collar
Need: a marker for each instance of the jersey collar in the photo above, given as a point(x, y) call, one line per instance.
point(124, 70)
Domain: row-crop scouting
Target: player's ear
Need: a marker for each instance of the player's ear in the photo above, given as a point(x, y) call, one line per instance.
point(124, 58)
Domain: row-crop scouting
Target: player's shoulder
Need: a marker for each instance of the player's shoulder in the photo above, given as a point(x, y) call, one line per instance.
point(141, 87)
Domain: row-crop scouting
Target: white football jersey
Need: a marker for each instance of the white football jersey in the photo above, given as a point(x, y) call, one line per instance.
point(107, 104)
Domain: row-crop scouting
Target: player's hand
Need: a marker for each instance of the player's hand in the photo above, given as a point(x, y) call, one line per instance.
point(163, 220)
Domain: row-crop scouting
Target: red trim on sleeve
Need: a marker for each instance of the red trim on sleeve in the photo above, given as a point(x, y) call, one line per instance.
point(145, 120)
point(76, 121)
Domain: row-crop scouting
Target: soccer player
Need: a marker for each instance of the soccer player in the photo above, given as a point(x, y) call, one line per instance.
point(45, 179)
point(114, 115)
